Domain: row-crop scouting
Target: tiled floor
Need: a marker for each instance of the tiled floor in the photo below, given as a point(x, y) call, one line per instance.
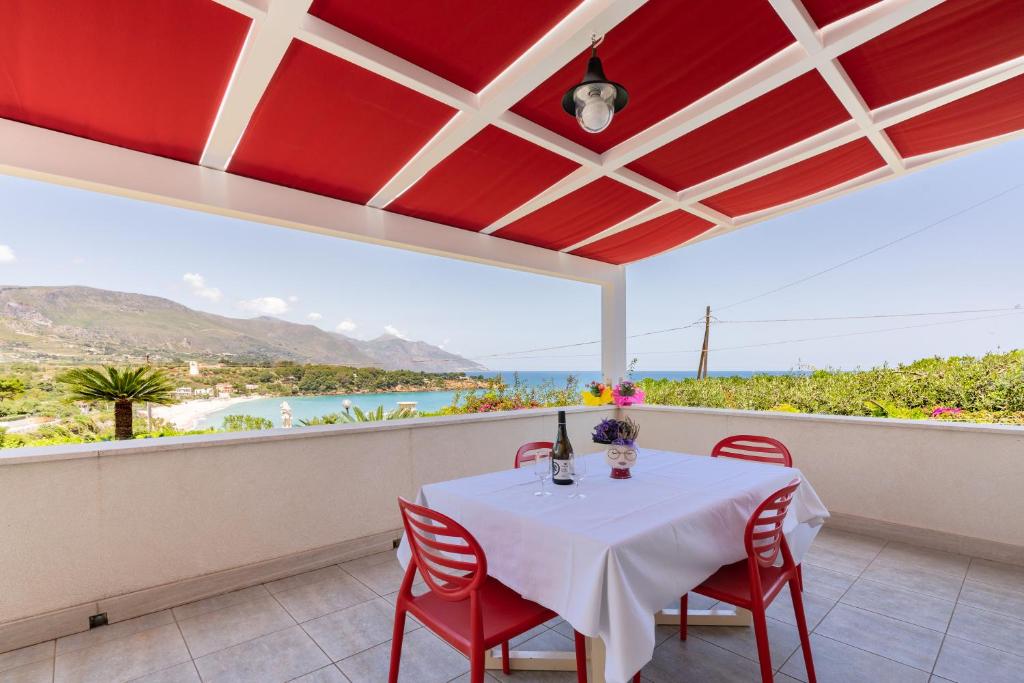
point(880, 612)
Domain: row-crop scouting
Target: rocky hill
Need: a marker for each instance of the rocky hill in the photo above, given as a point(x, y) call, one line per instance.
point(83, 324)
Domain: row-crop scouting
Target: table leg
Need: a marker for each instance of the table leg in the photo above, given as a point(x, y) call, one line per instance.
point(532, 660)
point(596, 657)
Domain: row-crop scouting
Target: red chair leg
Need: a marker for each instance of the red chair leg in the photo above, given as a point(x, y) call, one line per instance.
point(683, 608)
point(800, 576)
point(636, 679)
point(764, 654)
point(396, 645)
point(506, 667)
point(581, 657)
point(476, 665)
point(801, 626)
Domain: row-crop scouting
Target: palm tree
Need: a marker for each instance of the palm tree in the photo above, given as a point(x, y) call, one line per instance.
point(122, 386)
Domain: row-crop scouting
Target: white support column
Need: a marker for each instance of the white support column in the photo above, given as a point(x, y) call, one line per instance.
point(613, 327)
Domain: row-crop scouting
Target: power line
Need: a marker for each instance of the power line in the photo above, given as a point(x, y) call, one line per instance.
point(865, 317)
point(875, 250)
point(587, 343)
point(1013, 311)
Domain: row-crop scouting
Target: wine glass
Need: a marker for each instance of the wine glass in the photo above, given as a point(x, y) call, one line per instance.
point(542, 468)
point(578, 470)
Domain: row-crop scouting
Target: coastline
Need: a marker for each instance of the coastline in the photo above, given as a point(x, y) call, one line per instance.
point(188, 414)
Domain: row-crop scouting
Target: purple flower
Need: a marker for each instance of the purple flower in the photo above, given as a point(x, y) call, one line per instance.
point(606, 431)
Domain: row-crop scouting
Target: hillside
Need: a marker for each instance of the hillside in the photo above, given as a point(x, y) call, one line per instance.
point(83, 324)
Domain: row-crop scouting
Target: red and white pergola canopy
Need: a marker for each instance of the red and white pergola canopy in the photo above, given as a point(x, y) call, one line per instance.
point(449, 111)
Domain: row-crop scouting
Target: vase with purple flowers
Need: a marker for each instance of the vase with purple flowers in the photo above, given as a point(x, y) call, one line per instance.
point(620, 438)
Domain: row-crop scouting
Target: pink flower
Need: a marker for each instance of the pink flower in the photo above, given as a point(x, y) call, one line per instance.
point(942, 410)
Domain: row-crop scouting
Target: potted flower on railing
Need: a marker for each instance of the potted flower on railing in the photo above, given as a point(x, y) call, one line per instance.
point(627, 393)
point(597, 394)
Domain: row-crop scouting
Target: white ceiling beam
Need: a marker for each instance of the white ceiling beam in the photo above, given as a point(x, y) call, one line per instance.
point(250, 8)
point(796, 18)
point(650, 213)
point(269, 37)
point(815, 50)
point(570, 183)
point(549, 54)
point(40, 154)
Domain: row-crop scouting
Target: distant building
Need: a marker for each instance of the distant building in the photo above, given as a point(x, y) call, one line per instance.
point(224, 389)
point(193, 368)
point(203, 392)
point(183, 392)
point(252, 387)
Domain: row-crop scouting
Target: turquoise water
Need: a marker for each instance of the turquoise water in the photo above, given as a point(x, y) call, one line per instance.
point(305, 407)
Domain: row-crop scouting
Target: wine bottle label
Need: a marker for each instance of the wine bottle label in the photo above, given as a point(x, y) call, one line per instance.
point(561, 470)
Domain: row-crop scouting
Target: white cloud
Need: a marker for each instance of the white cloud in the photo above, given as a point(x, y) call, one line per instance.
point(6, 254)
point(395, 332)
point(197, 283)
point(346, 325)
point(265, 305)
point(293, 298)
point(443, 344)
point(315, 316)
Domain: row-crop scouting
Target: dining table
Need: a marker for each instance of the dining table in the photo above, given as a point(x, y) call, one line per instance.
point(609, 562)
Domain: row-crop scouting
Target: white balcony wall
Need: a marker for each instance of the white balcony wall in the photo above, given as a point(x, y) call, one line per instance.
point(83, 524)
point(961, 480)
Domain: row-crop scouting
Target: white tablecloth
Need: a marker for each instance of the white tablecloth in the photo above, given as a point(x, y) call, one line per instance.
point(609, 562)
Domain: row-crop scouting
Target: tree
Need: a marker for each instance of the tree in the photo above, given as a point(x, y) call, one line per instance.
point(10, 387)
point(122, 387)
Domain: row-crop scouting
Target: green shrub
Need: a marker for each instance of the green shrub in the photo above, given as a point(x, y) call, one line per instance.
point(245, 423)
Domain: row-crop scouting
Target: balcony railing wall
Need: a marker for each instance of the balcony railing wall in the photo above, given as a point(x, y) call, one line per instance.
point(131, 528)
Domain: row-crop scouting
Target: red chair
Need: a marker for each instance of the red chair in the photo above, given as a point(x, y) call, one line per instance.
point(528, 451)
point(471, 610)
point(753, 448)
point(754, 582)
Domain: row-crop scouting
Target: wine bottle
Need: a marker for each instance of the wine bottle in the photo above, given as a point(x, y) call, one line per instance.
point(561, 454)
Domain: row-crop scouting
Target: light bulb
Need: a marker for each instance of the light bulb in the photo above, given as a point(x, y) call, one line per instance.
point(595, 106)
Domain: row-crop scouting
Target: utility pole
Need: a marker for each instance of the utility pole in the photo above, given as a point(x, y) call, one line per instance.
point(702, 368)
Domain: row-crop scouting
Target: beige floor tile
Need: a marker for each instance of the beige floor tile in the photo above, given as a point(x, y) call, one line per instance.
point(917, 580)
point(826, 583)
point(124, 659)
point(425, 659)
point(119, 630)
point(371, 560)
point(967, 662)
point(916, 608)
point(304, 579)
point(901, 555)
point(912, 645)
point(836, 662)
point(273, 658)
point(698, 661)
point(382, 578)
point(783, 639)
point(565, 630)
point(815, 608)
point(993, 598)
point(37, 672)
point(1007, 576)
point(195, 609)
point(323, 597)
point(346, 632)
point(988, 628)
point(328, 674)
point(26, 655)
point(232, 625)
point(182, 673)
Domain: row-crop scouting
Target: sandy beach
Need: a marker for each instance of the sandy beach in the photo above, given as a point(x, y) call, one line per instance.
point(186, 415)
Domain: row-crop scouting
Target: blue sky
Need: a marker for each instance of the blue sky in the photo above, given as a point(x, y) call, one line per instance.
point(53, 235)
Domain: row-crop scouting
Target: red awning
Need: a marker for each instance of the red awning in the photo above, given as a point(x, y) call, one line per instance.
point(450, 112)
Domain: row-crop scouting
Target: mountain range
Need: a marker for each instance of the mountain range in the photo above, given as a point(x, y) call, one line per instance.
point(84, 324)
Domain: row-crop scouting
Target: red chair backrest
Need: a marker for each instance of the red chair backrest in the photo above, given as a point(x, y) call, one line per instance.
point(763, 537)
point(528, 451)
point(452, 563)
point(754, 448)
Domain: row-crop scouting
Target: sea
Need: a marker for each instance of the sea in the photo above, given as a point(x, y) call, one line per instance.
point(306, 407)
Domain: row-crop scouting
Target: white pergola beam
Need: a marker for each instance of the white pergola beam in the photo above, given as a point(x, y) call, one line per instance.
point(31, 152)
point(269, 37)
point(549, 54)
